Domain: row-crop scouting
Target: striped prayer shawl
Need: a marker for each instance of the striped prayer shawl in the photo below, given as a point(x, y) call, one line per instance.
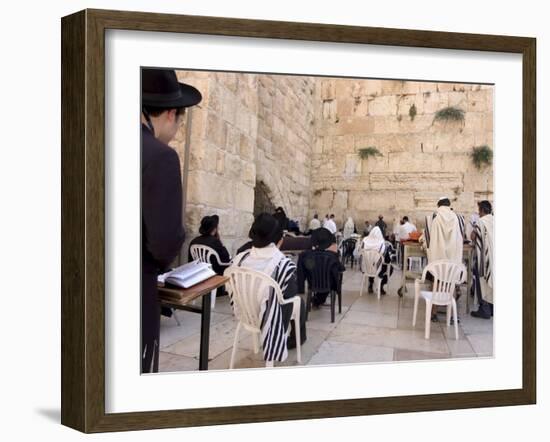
point(483, 243)
point(273, 335)
point(461, 225)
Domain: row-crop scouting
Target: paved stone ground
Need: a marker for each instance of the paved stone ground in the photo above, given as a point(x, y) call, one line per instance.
point(367, 330)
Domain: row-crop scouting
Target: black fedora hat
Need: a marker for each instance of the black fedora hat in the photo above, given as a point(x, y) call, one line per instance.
point(265, 230)
point(160, 88)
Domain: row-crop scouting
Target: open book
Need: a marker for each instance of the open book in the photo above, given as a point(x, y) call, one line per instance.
point(188, 274)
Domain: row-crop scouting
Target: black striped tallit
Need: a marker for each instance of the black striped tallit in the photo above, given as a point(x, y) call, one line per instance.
point(274, 337)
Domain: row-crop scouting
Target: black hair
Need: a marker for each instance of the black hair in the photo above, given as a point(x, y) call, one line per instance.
point(444, 202)
point(405, 218)
point(485, 206)
point(156, 111)
point(322, 238)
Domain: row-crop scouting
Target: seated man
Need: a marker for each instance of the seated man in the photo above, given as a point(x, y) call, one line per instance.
point(265, 256)
point(322, 240)
point(210, 237)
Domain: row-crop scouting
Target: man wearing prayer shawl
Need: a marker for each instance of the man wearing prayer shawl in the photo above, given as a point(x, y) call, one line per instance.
point(349, 228)
point(264, 256)
point(444, 236)
point(482, 239)
point(444, 233)
point(375, 241)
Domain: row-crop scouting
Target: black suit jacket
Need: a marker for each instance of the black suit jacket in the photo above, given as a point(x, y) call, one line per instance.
point(216, 244)
point(162, 232)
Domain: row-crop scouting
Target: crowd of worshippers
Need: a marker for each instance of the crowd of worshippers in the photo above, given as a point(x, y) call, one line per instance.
point(269, 246)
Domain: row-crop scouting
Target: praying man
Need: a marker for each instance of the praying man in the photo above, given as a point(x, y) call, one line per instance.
point(482, 239)
point(444, 236)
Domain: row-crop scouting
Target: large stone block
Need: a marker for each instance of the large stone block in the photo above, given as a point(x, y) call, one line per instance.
point(421, 123)
point(328, 91)
point(478, 181)
point(478, 102)
point(233, 139)
point(353, 165)
point(409, 161)
point(209, 189)
point(435, 101)
point(410, 87)
point(216, 130)
point(404, 200)
point(415, 180)
point(202, 157)
point(392, 87)
point(458, 99)
point(371, 200)
point(246, 148)
point(384, 125)
point(382, 106)
point(243, 197)
point(354, 125)
point(229, 107)
point(474, 122)
point(243, 119)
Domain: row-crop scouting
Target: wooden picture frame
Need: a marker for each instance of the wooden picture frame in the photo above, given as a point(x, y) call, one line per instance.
point(83, 219)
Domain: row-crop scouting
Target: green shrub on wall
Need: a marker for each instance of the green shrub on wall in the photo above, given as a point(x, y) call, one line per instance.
point(450, 113)
point(482, 156)
point(371, 151)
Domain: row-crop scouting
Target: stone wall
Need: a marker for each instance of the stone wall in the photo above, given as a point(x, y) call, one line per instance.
point(422, 158)
point(247, 129)
point(294, 142)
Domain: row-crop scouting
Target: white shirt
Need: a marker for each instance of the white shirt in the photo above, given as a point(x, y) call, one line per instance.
point(330, 225)
point(314, 224)
point(405, 230)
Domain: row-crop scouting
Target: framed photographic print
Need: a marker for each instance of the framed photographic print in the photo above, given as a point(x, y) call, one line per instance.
point(378, 185)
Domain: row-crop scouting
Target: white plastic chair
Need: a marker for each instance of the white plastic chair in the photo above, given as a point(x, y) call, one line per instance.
point(447, 274)
point(371, 263)
point(248, 288)
point(203, 254)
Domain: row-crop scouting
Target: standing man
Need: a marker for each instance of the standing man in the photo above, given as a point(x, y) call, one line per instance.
point(382, 225)
point(330, 225)
point(482, 238)
point(163, 102)
point(314, 224)
point(444, 236)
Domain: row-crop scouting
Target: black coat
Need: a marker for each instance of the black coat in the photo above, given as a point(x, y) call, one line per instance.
point(214, 243)
point(162, 233)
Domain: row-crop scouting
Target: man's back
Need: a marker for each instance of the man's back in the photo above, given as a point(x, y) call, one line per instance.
point(444, 235)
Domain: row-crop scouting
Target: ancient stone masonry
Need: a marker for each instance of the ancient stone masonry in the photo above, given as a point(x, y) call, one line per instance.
point(294, 142)
point(422, 159)
point(249, 129)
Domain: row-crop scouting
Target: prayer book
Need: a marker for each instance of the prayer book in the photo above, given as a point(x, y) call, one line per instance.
point(188, 274)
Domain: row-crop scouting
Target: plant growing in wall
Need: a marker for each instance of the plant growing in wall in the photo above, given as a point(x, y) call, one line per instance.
point(481, 156)
point(450, 113)
point(412, 112)
point(371, 151)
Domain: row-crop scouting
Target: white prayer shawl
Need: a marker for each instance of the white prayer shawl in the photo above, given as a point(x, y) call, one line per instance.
point(272, 262)
point(444, 235)
point(405, 230)
point(349, 228)
point(375, 241)
point(330, 225)
point(483, 243)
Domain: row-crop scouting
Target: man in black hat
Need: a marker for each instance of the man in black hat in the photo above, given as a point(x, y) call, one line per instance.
point(323, 242)
point(163, 101)
point(264, 256)
point(210, 237)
